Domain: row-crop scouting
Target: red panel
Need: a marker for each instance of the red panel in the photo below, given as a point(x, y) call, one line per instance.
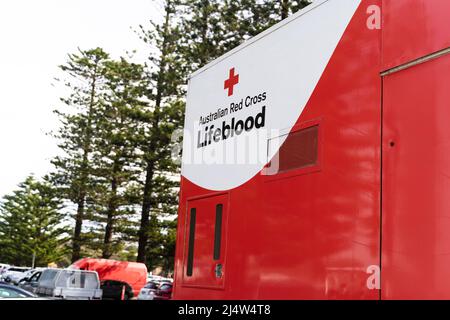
point(414, 28)
point(416, 183)
point(311, 236)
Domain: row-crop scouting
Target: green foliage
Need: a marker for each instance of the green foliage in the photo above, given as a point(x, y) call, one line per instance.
point(115, 161)
point(32, 221)
point(210, 28)
point(77, 135)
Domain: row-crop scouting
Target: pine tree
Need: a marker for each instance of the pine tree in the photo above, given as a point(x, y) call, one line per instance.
point(32, 223)
point(167, 76)
point(76, 135)
point(115, 159)
point(255, 16)
point(167, 255)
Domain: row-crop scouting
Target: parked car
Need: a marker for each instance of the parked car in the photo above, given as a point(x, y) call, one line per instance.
point(69, 284)
point(3, 268)
point(13, 273)
point(132, 275)
point(8, 291)
point(158, 278)
point(148, 291)
point(30, 283)
point(116, 290)
point(164, 292)
point(16, 277)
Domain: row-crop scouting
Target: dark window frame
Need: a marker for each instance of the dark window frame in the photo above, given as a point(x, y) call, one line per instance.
point(317, 167)
point(218, 232)
point(191, 242)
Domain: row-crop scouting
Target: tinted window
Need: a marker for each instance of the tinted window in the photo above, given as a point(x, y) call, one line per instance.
point(17, 269)
point(299, 150)
point(190, 259)
point(151, 285)
point(47, 278)
point(112, 283)
point(218, 231)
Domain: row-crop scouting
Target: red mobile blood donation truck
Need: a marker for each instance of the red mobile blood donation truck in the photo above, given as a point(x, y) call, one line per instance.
point(316, 159)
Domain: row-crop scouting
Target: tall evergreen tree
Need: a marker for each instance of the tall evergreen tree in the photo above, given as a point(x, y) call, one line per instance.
point(76, 135)
point(32, 224)
point(167, 75)
point(115, 160)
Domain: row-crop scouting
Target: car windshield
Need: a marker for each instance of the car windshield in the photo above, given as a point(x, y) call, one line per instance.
point(11, 293)
point(151, 285)
point(77, 279)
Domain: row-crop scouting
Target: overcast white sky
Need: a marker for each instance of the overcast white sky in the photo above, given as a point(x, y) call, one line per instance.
point(35, 37)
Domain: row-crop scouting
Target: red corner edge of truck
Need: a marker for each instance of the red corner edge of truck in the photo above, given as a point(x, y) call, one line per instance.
point(132, 273)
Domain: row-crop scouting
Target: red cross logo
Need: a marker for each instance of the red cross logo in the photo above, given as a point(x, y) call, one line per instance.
point(231, 82)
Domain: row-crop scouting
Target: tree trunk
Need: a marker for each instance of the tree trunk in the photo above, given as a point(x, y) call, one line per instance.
point(76, 241)
point(145, 215)
point(204, 34)
point(284, 9)
point(111, 211)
